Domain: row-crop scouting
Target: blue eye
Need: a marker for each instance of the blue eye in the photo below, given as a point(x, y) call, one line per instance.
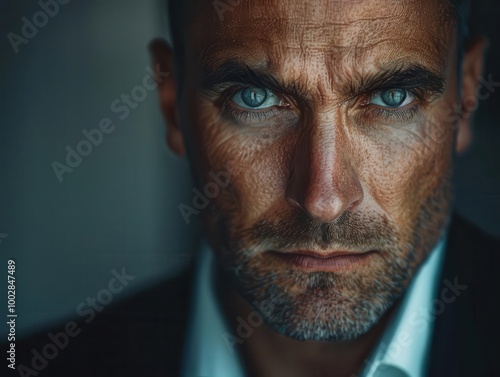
point(255, 98)
point(392, 98)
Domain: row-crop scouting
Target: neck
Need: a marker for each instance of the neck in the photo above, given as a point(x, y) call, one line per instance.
point(266, 353)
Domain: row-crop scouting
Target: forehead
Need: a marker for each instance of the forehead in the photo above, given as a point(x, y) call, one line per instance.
point(342, 33)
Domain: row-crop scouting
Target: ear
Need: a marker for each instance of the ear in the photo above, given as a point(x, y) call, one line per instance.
point(163, 59)
point(472, 69)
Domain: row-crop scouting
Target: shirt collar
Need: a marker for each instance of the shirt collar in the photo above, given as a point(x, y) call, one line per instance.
point(206, 352)
point(405, 342)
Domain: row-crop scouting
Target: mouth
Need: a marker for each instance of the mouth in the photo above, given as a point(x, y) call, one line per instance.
point(333, 261)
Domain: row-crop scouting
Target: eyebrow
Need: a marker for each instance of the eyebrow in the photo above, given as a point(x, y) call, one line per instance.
point(410, 76)
point(413, 76)
point(235, 71)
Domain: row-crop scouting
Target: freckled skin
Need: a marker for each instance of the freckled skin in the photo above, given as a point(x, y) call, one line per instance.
point(324, 172)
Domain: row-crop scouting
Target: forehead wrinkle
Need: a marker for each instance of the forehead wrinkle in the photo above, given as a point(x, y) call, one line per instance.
point(214, 55)
point(345, 42)
point(262, 52)
point(336, 27)
point(301, 35)
point(318, 10)
point(299, 22)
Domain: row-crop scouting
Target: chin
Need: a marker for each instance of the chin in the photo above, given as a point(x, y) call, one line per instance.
point(323, 306)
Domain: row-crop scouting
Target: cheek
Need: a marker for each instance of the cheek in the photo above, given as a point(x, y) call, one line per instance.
point(405, 167)
point(255, 160)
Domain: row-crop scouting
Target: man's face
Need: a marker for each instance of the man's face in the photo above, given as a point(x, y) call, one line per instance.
point(334, 121)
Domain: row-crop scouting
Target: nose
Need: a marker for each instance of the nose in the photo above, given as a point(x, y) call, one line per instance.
point(323, 182)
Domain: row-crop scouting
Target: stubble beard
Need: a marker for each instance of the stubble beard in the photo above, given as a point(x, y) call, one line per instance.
point(331, 306)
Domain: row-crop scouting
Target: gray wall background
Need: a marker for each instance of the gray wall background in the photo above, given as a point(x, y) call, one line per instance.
point(119, 207)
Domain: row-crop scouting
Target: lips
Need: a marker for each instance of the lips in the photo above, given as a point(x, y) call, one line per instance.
point(334, 261)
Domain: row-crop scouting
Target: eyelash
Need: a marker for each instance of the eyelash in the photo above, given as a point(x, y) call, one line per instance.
point(403, 114)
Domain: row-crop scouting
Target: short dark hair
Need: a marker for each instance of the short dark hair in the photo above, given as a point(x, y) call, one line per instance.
point(460, 9)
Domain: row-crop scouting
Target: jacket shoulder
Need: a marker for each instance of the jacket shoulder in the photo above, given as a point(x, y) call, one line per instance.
point(140, 336)
point(466, 328)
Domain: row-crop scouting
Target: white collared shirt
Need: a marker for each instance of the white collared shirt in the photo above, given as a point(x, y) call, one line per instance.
point(402, 350)
point(405, 343)
point(206, 353)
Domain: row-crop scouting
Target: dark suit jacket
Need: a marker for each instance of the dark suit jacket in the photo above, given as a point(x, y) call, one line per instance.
point(143, 336)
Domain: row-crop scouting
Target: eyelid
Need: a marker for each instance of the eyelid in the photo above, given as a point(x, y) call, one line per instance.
point(364, 99)
point(272, 100)
point(257, 117)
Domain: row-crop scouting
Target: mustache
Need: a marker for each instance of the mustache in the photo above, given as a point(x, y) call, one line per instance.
point(296, 230)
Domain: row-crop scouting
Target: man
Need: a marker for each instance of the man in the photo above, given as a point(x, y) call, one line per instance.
point(326, 131)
